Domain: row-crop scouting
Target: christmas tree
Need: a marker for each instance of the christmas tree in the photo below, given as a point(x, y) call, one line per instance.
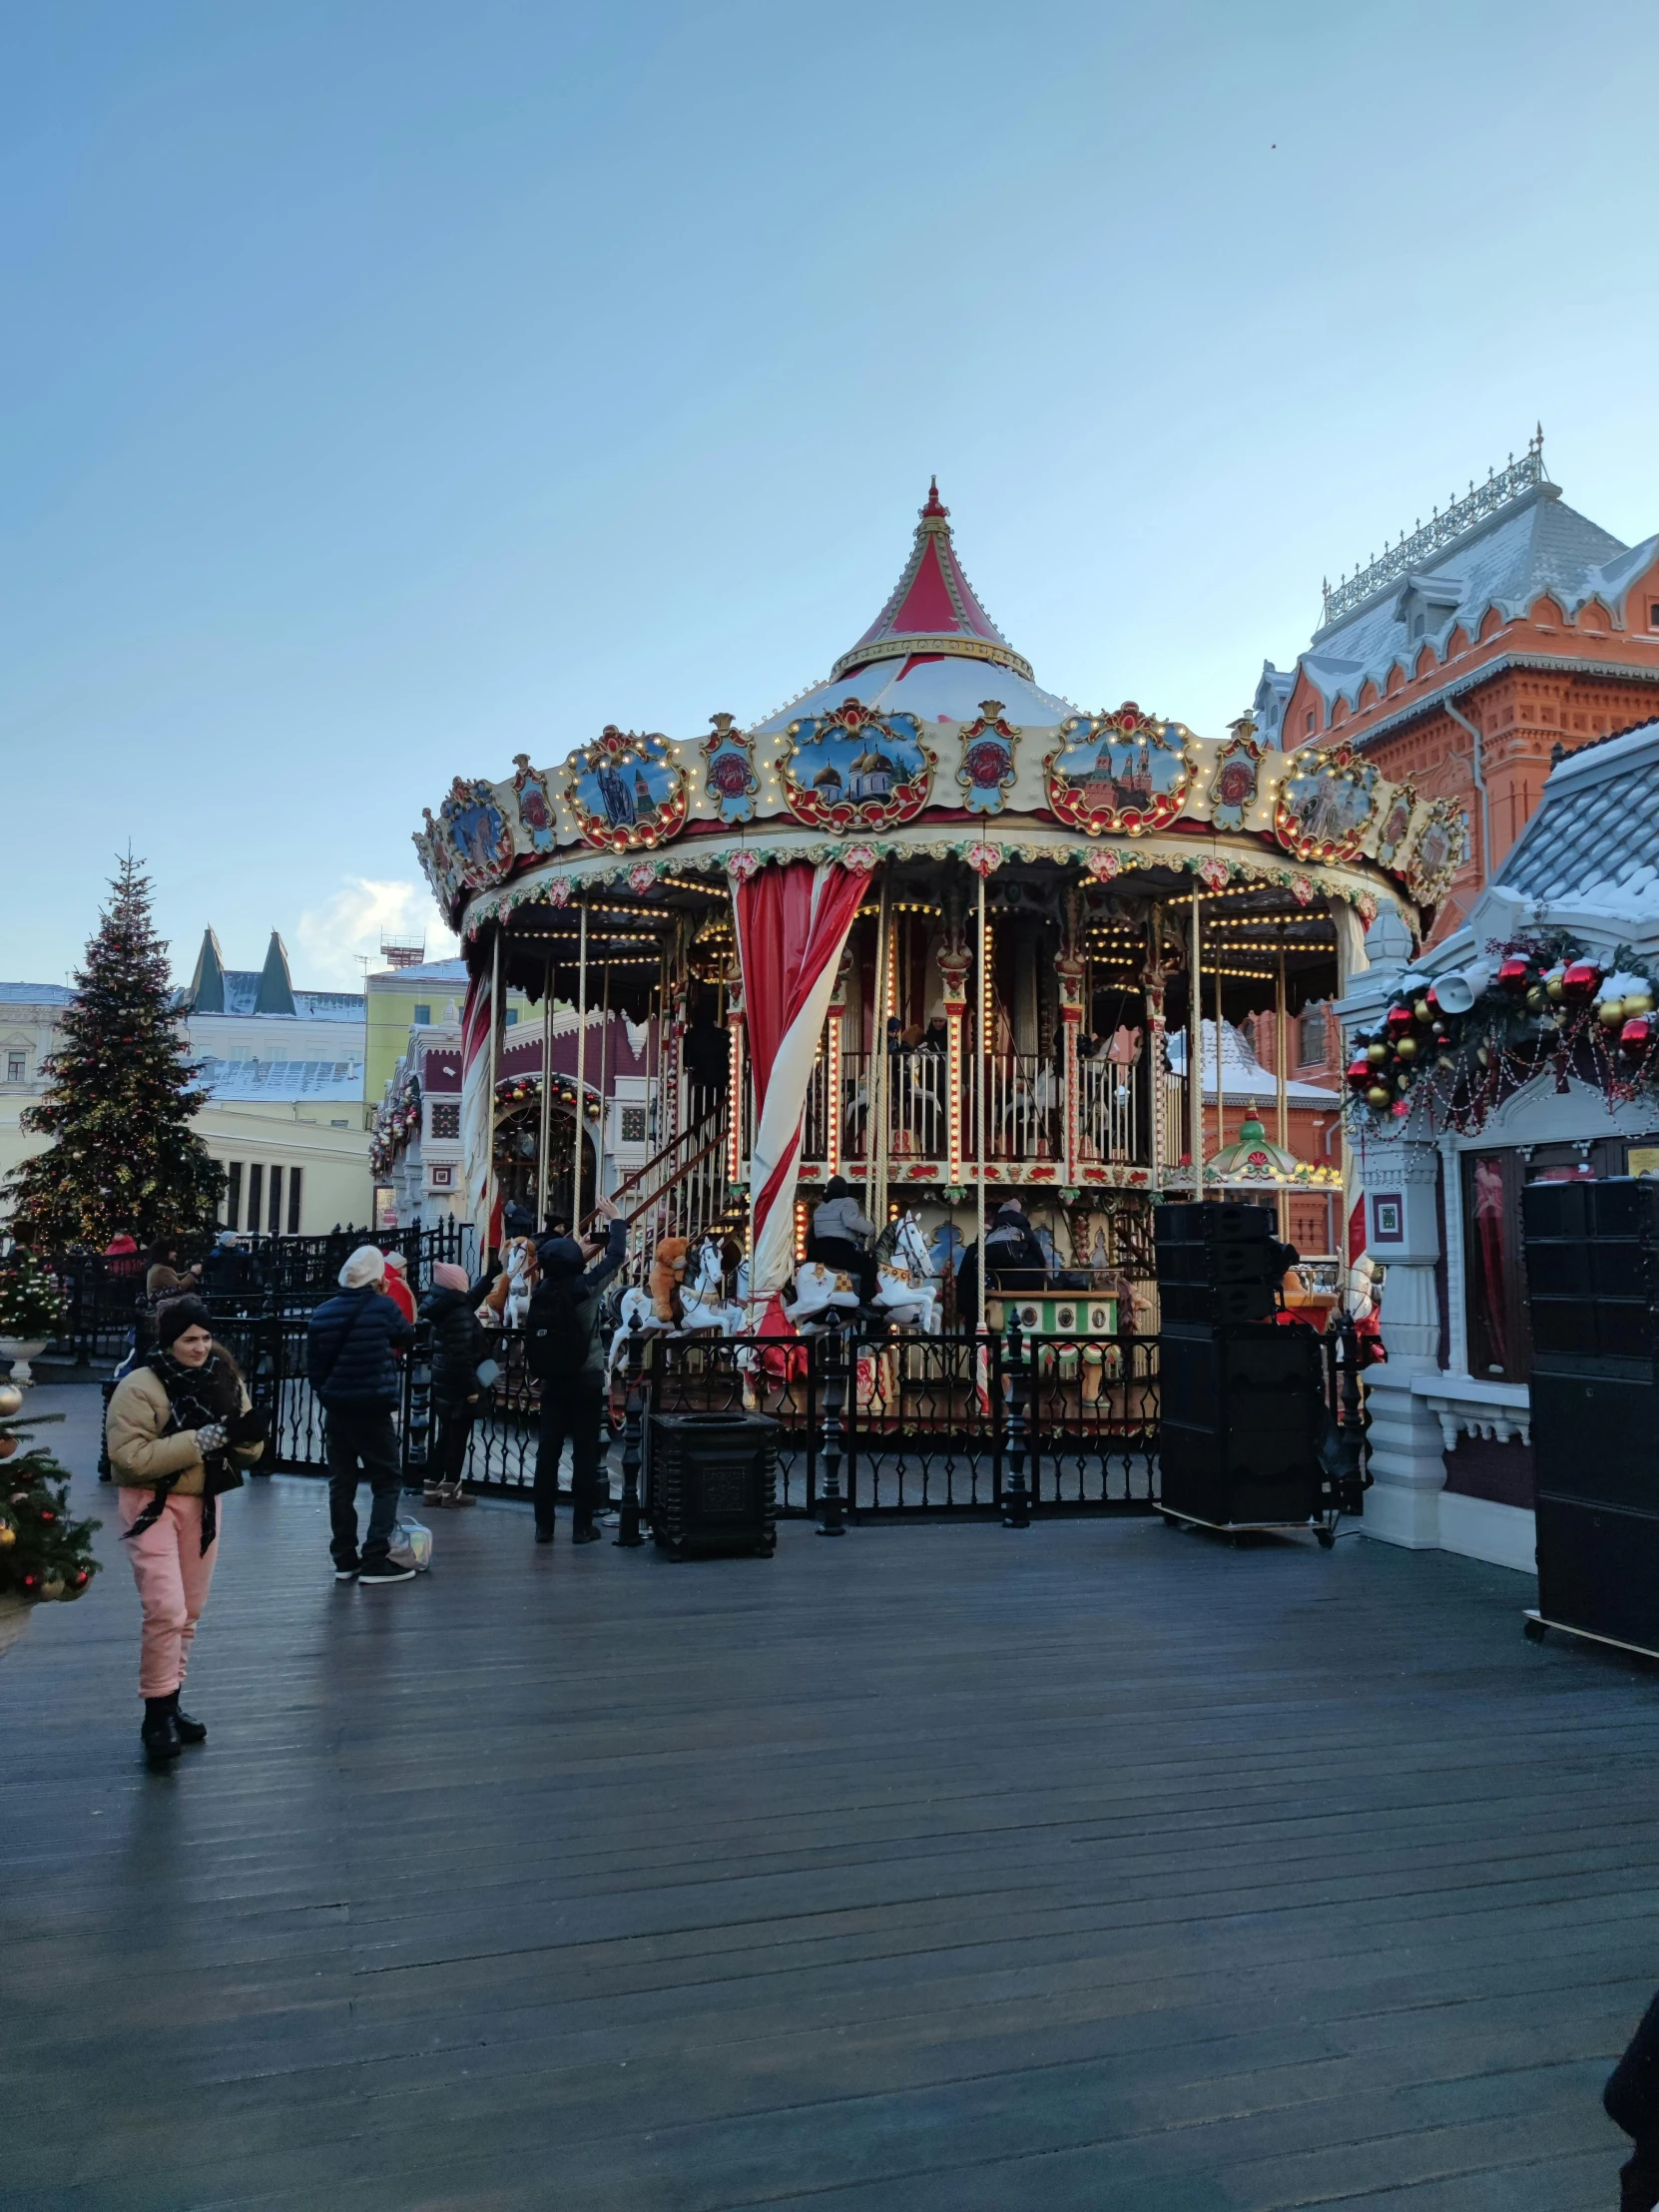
point(31, 1304)
point(123, 1155)
point(42, 1553)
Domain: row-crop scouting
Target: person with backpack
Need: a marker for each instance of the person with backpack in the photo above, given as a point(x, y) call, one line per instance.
point(351, 1358)
point(563, 1350)
point(458, 1346)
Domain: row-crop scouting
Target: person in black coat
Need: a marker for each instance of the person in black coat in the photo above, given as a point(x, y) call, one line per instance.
point(458, 1345)
point(1014, 1259)
point(1631, 2100)
point(563, 1350)
point(351, 1358)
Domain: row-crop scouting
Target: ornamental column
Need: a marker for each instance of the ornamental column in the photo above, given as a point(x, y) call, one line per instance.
point(1071, 969)
point(1152, 986)
point(833, 1046)
point(735, 1117)
point(955, 962)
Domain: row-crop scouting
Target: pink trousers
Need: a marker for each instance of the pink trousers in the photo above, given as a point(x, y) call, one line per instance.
point(173, 1579)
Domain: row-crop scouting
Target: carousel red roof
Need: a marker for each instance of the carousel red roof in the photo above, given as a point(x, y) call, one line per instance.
point(932, 609)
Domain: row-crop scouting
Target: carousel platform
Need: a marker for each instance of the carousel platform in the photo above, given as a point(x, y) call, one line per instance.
point(949, 1869)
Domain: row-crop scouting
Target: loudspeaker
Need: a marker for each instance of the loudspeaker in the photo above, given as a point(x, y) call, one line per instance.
point(1598, 1571)
point(1206, 1305)
point(1592, 1273)
point(1213, 1222)
point(1595, 1437)
point(1241, 1409)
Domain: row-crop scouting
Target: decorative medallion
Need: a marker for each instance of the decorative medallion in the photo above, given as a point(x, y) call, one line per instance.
point(557, 891)
point(1125, 773)
point(1214, 875)
point(1396, 820)
point(741, 867)
point(984, 860)
point(1302, 890)
point(477, 828)
point(1436, 853)
point(860, 860)
point(626, 791)
point(730, 779)
point(1365, 905)
point(988, 766)
point(536, 815)
point(1104, 864)
point(1236, 780)
point(1324, 809)
point(854, 770)
point(440, 861)
point(641, 878)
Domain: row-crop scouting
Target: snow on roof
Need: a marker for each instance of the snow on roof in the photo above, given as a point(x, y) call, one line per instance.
point(35, 994)
point(1243, 1077)
point(282, 1080)
point(1594, 842)
point(430, 971)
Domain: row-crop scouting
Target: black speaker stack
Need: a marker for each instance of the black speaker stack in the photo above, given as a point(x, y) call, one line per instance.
point(1592, 1273)
point(1241, 1400)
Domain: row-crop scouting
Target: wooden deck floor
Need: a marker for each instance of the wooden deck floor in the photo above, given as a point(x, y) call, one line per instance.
point(939, 1870)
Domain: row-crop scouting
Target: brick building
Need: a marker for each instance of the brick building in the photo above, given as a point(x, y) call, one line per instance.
point(1463, 657)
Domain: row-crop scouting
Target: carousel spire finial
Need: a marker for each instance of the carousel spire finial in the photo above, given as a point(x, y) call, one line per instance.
point(936, 505)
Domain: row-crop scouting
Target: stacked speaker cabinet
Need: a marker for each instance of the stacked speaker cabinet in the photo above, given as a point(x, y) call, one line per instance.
point(1241, 1400)
point(1593, 1273)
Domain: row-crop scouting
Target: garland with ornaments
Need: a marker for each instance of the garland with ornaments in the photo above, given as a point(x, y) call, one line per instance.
point(396, 1122)
point(1457, 1046)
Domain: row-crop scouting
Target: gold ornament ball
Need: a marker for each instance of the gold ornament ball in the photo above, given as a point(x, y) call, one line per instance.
point(1555, 990)
point(1535, 1000)
point(1611, 1012)
point(1407, 1048)
point(1423, 1009)
point(1376, 1054)
point(7, 1535)
point(8, 1444)
point(11, 1401)
point(53, 1587)
point(1377, 1096)
point(1639, 1002)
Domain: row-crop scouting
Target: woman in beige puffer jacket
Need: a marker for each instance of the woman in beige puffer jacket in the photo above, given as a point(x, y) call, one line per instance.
point(179, 1432)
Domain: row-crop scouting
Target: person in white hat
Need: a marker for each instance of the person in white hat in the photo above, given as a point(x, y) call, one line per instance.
point(351, 1361)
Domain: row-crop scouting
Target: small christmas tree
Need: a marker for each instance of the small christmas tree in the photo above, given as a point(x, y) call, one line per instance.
point(44, 1554)
point(123, 1155)
point(31, 1304)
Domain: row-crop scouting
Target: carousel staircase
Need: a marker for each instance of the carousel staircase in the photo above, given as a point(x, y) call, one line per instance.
point(681, 1190)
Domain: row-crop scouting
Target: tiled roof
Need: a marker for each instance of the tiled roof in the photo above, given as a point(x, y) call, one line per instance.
point(282, 1080)
point(1594, 841)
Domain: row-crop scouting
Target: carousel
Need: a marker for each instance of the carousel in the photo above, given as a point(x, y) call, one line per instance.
point(931, 929)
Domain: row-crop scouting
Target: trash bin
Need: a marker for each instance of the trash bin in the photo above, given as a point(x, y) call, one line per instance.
point(713, 1484)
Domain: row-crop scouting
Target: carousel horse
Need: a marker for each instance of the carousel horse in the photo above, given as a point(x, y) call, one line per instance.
point(822, 1295)
point(905, 1276)
point(706, 1300)
point(507, 1301)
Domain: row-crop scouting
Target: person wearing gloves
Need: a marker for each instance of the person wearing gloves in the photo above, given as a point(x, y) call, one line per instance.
point(180, 1430)
point(458, 1344)
point(350, 1358)
point(562, 1349)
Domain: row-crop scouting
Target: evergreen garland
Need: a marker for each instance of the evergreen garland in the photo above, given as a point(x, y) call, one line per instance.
point(123, 1155)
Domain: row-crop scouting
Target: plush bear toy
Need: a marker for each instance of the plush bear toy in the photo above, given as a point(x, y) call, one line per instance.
point(667, 1272)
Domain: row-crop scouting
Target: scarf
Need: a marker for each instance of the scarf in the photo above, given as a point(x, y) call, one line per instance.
point(196, 1397)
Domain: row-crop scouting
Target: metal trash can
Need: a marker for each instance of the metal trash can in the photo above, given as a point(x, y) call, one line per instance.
point(713, 1484)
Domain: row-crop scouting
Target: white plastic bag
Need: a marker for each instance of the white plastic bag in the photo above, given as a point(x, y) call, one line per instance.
point(412, 1544)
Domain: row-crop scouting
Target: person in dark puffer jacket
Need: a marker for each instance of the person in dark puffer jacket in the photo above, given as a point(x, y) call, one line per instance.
point(458, 1344)
point(350, 1360)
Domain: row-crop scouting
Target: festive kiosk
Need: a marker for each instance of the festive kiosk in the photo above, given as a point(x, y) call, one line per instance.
point(925, 928)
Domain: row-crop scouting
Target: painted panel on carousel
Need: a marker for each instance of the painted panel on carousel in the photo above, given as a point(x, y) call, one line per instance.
point(1121, 773)
point(730, 778)
point(537, 815)
point(441, 863)
point(1324, 809)
point(1436, 853)
point(1235, 780)
point(986, 773)
point(1397, 809)
point(626, 791)
point(854, 770)
point(475, 825)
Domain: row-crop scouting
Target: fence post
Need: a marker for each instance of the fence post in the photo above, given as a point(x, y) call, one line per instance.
point(1016, 1512)
point(833, 1522)
point(627, 1534)
point(264, 1379)
point(416, 1439)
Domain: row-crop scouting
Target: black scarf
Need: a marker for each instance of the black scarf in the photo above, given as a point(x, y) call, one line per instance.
point(197, 1397)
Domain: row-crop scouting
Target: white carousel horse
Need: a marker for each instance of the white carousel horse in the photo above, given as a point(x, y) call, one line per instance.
point(821, 1295)
point(703, 1295)
point(507, 1301)
point(904, 1282)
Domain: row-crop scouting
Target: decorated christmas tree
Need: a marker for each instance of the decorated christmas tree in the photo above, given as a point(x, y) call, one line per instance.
point(31, 1304)
point(44, 1552)
point(123, 1155)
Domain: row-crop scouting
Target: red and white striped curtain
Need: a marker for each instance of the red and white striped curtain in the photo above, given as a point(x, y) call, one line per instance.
point(477, 1133)
point(793, 921)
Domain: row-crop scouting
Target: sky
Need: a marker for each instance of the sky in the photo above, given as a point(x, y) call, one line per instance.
point(391, 389)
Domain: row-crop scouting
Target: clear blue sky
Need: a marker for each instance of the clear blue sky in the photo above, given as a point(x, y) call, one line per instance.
point(394, 387)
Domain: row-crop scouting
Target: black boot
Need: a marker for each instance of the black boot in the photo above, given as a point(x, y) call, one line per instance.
point(191, 1731)
point(159, 1733)
point(544, 1535)
point(584, 1532)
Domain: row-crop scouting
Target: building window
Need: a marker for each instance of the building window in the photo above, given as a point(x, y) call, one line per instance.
point(295, 1176)
point(1309, 1031)
point(423, 1018)
point(633, 1125)
point(512, 1017)
point(1307, 723)
point(17, 1067)
point(232, 1195)
point(1653, 616)
point(256, 1191)
point(275, 1201)
point(446, 1119)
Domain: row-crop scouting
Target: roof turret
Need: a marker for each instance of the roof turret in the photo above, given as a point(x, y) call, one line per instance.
point(276, 991)
point(932, 609)
point(205, 994)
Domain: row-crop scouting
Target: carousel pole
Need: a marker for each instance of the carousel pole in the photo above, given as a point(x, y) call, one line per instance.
point(879, 1071)
point(1221, 1095)
point(545, 1136)
point(1194, 1051)
point(1281, 1060)
point(496, 1010)
point(581, 1069)
point(1155, 1046)
point(604, 1092)
point(983, 982)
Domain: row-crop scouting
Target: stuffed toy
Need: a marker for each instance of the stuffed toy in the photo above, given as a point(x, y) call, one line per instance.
point(667, 1272)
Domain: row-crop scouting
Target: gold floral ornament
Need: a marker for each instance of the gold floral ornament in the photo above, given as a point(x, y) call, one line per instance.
point(852, 768)
point(986, 773)
point(1121, 773)
point(1325, 809)
point(1236, 780)
point(1436, 853)
point(626, 793)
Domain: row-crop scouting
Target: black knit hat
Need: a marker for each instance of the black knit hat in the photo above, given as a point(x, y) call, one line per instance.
point(180, 1315)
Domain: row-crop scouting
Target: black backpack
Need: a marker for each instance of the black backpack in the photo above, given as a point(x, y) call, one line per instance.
point(558, 1331)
